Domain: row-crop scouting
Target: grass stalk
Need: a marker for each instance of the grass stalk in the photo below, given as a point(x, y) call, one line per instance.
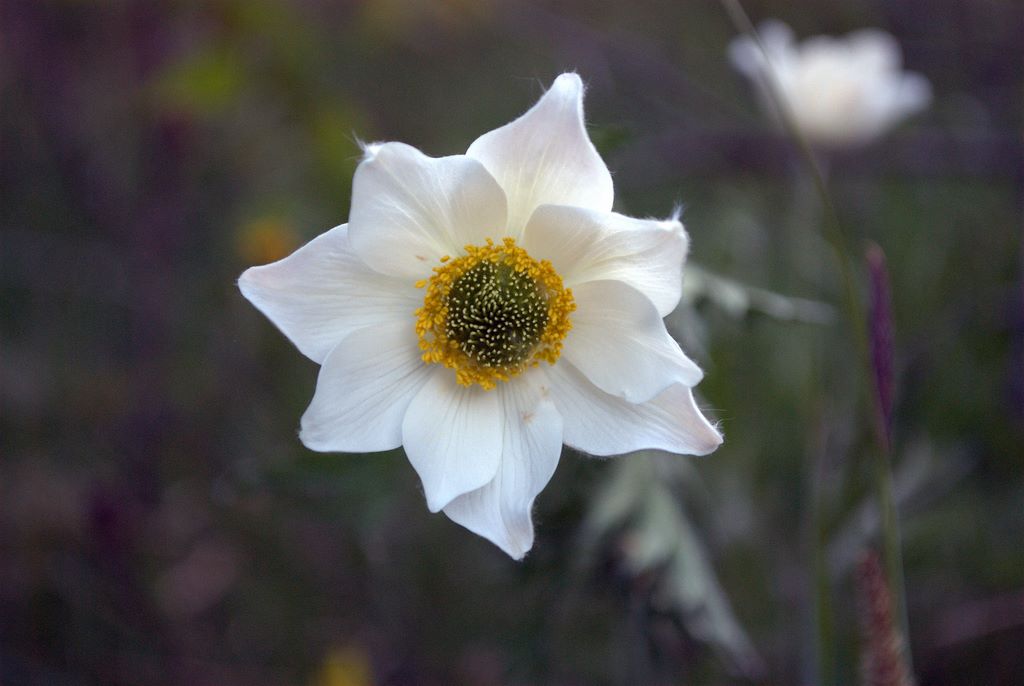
point(836, 237)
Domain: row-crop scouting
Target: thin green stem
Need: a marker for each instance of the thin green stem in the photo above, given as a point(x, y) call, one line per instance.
point(824, 620)
point(836, 237)
point(892, 545)
point(833, 233)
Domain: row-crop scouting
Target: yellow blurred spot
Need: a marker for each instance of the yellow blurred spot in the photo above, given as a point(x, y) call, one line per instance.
point(202, 84)
point(266, 239)
point(345, 666)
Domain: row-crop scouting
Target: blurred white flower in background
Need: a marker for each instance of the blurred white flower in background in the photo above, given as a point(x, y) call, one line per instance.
point(839, 91)
point(482, 310)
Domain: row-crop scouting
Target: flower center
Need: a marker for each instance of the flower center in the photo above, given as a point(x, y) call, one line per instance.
point(493, 313)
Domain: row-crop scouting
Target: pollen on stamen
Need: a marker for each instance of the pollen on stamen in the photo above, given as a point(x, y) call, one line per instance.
point(493, 313)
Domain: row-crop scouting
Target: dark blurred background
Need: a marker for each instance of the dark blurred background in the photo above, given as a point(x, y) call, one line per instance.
point(160, 523)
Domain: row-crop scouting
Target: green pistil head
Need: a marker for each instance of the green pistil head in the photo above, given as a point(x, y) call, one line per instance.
point(496, 314)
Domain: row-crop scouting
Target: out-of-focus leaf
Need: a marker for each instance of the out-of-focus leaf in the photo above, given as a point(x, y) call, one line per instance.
point(640, 507)
point(610, 507)
point(920, 478)
point(650, 543)
point(739, 300)
point(692, 586)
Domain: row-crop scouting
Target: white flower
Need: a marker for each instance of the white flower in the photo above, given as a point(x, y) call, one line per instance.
point(840, 91)
point(482, 310)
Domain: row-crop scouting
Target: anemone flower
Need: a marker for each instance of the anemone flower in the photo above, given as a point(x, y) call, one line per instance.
point(839, 91)
point(484, 309)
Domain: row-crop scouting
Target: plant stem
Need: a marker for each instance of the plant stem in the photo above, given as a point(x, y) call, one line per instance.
point(892, 547)
point(824, 620)
point(836, 237)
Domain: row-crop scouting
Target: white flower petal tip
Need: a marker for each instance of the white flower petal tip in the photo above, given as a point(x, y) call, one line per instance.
point(838, 91)
point(452, 436)
point(546, 157)
point(915, 93)
point(248, 283)
point(569, 86)
point(600, 424)
point(322, 292)
point(373, 150)
point(483, 310)
point(370, 150)
point(500, 511)
point(675, 228)
point(709, 438)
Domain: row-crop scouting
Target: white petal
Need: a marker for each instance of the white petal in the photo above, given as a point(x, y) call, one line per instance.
point(777, 51)
point(409, 210)
point(913, 94)
point(363, 390)
point(746, 56)
point(601, 424)
point(452, 435)
point(586, 245)
point(777, 38)
point(620, 343)
point(546, 157)
point(500, 511)
point(322, 292)
point(874, 50)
